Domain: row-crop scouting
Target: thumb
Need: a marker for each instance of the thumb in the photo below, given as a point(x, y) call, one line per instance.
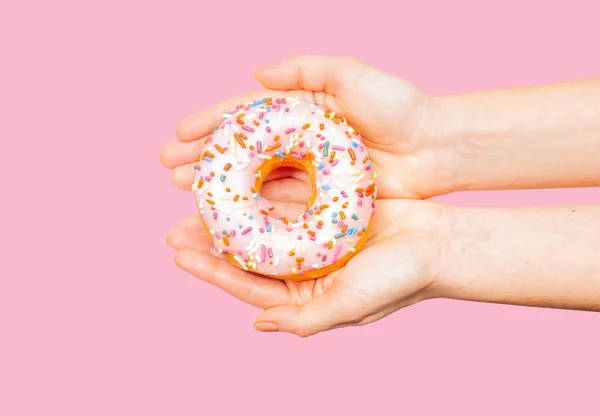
point(310, 73)
point(323, 312)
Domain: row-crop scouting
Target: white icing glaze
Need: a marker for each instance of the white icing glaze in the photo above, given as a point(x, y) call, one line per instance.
point(260, 242)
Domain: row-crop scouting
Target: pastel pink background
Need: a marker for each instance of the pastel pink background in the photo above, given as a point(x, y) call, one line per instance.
point(95, 318)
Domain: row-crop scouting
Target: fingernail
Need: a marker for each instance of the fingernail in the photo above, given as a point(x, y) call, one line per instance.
point(265, 327)
point(264, 68)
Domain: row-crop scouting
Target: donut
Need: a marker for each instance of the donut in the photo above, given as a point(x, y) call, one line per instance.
point(253, 140)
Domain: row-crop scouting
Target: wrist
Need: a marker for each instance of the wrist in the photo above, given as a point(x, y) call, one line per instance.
point(462, 233)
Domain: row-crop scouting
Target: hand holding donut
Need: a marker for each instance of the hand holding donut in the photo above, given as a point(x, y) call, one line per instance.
point(400, 125)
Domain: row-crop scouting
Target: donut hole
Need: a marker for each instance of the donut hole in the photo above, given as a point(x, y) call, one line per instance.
point(288, 189)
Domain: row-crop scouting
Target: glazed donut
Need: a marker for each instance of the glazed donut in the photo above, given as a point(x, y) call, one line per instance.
point(259, 137)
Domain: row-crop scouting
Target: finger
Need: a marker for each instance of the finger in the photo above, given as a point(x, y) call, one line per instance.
point(176, 153)
point(193, 237)
point(183, 176)
point(191, 221)
point(310, 72)
point(259, 291)
point(203, 122)
point(288, 173)
point(286, 189)
point(324, 312)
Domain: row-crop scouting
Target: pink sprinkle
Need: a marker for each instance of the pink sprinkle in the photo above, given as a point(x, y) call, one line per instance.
point(335, 162)
point(290, 130)
point(210, 139)
point(361, 148)
point(319, 226)
point(324, 245)
point(247, 108)
point(215, 215)
point(278, 101)
point(301, 144)
point(225, 251)
point(247, 230)
point(297, 156)
point(283, 101)
point(261, 116)
point(326, 172)
point(288, 229)
point(313, 238)
point(367, 167)
point(321, 145)
point(262, 230)
point(240, 253)
point(340, 224)
point(372, 213)
point(318, 254)
point(324, 255)
point(359, 202)
point(251, 154)
point(268, 129)
point(232, 233)
point(337, 251)
point(333, 260)
point(361, 195)
point(259, 145)
point(250, 129)
point(344, 194)
point(270, 251)
point(263, 253)
point(340, 148)
point(207, 178)
point(299, 237)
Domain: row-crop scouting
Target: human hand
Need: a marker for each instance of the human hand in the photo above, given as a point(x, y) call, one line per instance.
point(400, 125)
point(396, 268)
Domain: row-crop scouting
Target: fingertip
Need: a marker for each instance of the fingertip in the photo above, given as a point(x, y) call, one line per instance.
point(182, 178)
point(286, 319)
point(183, 128)
point(184, 259)
point(164, 155)
point(266, 327)
point(191, 221)
point(172, 236)
point(168, 155)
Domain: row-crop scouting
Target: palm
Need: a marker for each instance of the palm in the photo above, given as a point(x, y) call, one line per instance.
point(392, 270)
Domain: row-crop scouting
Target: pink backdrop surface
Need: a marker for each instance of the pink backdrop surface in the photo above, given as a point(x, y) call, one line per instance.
point(95, 318)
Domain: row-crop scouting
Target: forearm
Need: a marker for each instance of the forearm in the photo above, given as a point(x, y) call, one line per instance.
point(531, 256)
point(535, 137)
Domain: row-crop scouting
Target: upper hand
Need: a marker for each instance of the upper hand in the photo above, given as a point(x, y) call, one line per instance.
point(400, 125)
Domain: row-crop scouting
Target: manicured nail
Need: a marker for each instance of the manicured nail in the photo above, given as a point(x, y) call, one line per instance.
point(265, 327)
